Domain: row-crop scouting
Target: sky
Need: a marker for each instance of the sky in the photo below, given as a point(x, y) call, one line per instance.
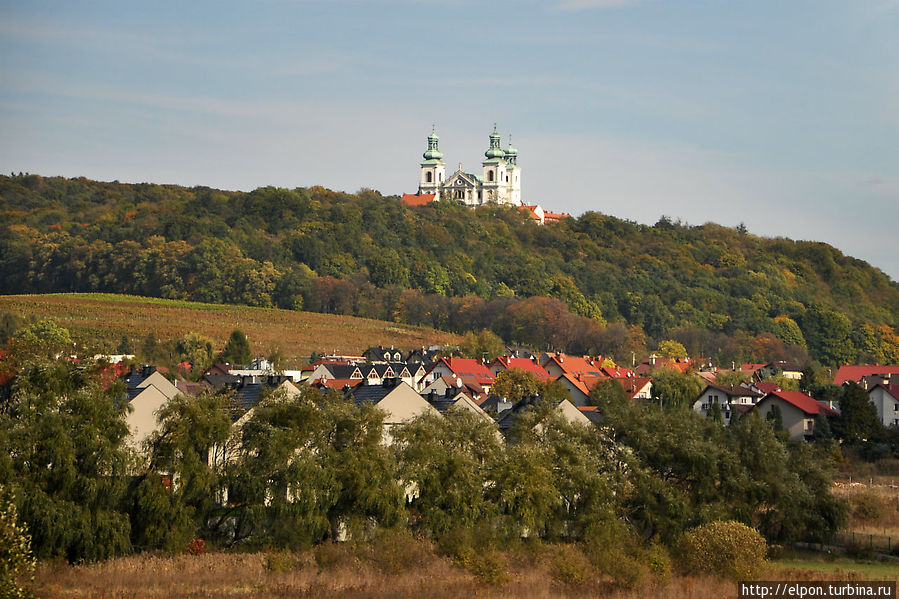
point(782, 115)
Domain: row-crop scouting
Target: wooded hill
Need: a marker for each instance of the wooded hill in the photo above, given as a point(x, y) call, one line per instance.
point(589, 284)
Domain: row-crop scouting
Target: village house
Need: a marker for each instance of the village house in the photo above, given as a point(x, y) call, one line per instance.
point(728, 398)
point(147, 391)
point(885, 397)
point(797, 412)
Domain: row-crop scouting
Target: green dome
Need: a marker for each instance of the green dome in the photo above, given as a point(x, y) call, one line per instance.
point(432, 153)
point(494, 151)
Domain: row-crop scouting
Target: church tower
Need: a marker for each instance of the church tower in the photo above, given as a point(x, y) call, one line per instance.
point(513, 171)
point(495, 176)
point(433, 170)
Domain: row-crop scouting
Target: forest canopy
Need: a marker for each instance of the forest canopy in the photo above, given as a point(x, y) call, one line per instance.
point(593, 283)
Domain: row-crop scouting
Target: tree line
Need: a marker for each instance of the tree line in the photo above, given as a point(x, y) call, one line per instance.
point(722, 292)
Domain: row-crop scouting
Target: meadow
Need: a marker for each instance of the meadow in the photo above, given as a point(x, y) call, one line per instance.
point(106, 318)
point(528, 572)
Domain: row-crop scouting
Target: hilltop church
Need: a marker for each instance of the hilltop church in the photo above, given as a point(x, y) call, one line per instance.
point(499, 181)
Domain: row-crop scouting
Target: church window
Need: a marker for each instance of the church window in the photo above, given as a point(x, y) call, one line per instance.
point(429, 177)
point(507, 178)
point(490, 175)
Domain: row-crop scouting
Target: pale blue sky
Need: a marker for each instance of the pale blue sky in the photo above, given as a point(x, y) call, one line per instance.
point(781, 114)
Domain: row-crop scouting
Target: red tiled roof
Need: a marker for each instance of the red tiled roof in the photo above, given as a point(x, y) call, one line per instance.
point(767, 387)
point(522, 364)
point(803, 402)
point(575, 365)
point(855, 373)
point(417, 199)
point(555, 216)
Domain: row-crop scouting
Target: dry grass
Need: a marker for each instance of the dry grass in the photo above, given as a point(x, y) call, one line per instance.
point(105, 318)
point(246, 575)
point(873, 504)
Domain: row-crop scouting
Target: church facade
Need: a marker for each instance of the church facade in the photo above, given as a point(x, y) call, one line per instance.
point(499, 181)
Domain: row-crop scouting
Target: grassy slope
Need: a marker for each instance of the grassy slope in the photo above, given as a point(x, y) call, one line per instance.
point(107, 317)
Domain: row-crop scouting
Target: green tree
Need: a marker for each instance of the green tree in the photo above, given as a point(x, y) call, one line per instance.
point(190, 429)
point(448, 460)
point(858, 420)
point(197, 350)
point(16, 562)
point(237, 349)
point(64, 442)
point(672, 388)
point(607, 391)
point(671, 349)
point(42, 339)
point(515, 384)
point(483, 345)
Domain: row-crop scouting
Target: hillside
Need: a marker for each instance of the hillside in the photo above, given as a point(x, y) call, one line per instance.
point(107, 318)
point(593, 283)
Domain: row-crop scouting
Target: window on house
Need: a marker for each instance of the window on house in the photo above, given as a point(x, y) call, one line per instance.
point(429, 177)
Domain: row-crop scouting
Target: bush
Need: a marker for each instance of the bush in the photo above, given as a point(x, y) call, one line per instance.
point(333, 555)
point(16, 561)
point(281, 562)
point(570, 565)
point(394, 551)
point(475, 550)
point(616, 552)
point(869, 505)
point(730, 549)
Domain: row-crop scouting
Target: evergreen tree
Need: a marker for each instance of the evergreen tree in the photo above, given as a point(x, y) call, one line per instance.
point(237, 349)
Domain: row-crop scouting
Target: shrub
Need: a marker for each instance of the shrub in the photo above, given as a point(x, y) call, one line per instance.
point(196, 547)
point(474, 550)
point(281, 562)
point(616, 552)
point(730, 549)
point(394, 551)
point(332, 555)
point(570, 565)
point(16, 561)
point(869, 505)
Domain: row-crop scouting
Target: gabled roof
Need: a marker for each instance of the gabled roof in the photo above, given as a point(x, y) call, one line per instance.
point(766, 388)
point(679, 364)
point(856, 372)
point(522, 364)
point(575, 365)
point(801, 401)
point(417, 199)
point(633, 384)
point(467, 368)
point(892, 390)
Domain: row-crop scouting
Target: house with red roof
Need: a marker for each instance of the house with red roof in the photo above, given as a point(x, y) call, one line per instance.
point(885, 398)
point(526, 364)
point(797, 411)
point(653, 362)
point(557, 364)
point(855, 373)
point(474, 374)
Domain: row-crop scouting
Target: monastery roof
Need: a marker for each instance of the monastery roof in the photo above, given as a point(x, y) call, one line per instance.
point(417, 199)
